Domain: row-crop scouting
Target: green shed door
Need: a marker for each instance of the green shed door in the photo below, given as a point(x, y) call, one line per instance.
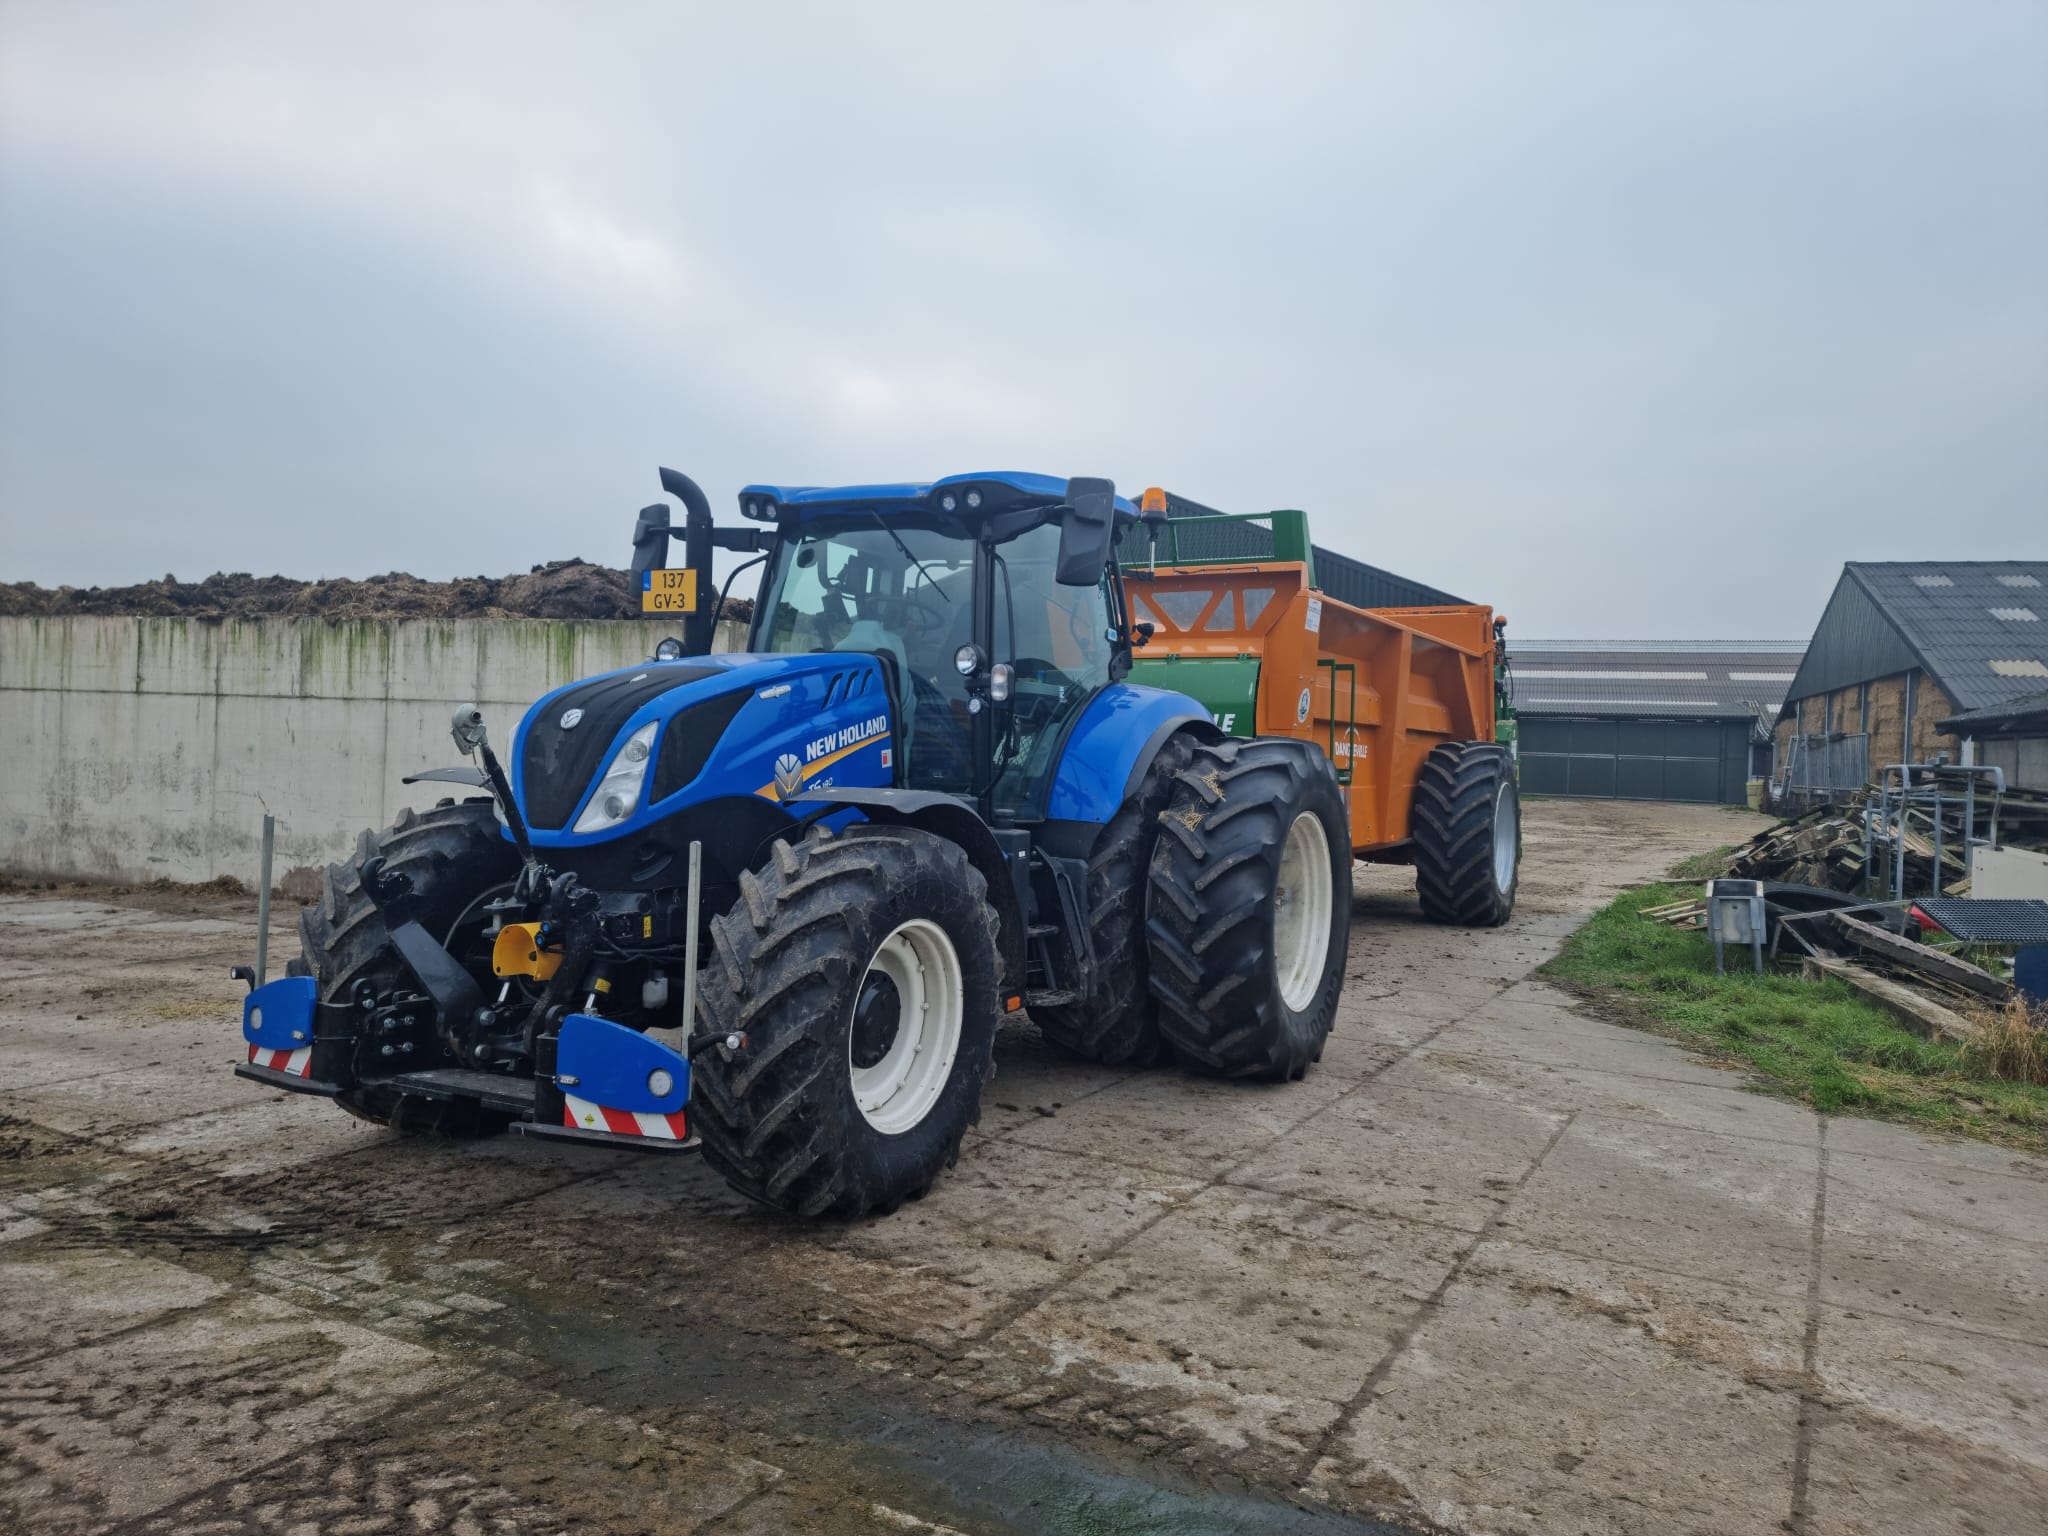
point(1704, 761)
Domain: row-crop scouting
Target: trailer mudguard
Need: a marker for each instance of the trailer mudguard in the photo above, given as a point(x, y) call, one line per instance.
point(1112, 745)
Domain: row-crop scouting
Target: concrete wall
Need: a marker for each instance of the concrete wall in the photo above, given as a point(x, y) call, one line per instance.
point(2025, 760)
point(139, 749)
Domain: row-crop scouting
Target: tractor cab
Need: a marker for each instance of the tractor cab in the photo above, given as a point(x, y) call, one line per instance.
point(990, 600)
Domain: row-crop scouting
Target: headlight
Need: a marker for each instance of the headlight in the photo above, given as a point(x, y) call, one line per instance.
point(670, 649)
point(618, 792)
point(967, 660)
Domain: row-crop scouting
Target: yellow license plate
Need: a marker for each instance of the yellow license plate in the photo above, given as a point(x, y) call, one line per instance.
point(669, 591)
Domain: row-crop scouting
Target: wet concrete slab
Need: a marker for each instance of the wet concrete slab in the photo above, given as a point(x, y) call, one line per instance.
point(1497, 1265)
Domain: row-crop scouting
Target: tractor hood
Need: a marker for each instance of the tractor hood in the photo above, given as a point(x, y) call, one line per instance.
point(610, 755)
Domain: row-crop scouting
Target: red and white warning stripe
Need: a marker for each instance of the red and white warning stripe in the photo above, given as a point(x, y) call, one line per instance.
point(583, 1115)
point(299, 1063)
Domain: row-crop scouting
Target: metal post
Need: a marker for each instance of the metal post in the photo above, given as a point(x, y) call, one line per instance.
point(1940, 820)
point(263, 900)
point(690, 943)
point(1899, 836)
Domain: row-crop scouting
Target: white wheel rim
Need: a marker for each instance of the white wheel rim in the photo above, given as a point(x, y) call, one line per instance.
point(1303, 897)
point(1507, 840)
point(898, 1091)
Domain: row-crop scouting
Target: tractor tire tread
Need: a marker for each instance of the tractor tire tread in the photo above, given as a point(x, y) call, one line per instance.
point(1210, 889)
point(781, 965)
point(1456, 795)
point(342, 937)
point(1119, 1022)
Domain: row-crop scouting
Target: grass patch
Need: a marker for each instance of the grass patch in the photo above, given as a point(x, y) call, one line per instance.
point(1711, 865)
point(1812, 1040)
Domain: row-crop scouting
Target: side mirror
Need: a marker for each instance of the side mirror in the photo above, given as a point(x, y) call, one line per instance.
point(650, 539)
point(1085, 531)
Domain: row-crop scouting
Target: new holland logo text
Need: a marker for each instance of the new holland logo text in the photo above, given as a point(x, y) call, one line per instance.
point(853, 735)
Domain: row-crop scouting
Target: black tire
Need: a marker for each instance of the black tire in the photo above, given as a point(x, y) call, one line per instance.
point(1214, 917)
point(789, 962)
point(1119, 1022)
point(1460, 796)
point(453, 853)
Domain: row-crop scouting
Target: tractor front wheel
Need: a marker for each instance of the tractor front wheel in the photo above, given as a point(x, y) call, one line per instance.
point(861, 969)
point(1250, 908)
point(453, 854)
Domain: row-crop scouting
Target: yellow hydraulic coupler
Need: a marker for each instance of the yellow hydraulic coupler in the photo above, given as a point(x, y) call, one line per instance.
point(518, 953)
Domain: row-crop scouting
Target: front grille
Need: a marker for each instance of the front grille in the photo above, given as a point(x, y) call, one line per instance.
point(687, 740)
point(557, 766)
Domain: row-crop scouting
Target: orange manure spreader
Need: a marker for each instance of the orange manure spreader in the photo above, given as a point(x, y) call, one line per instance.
point(1410, 700)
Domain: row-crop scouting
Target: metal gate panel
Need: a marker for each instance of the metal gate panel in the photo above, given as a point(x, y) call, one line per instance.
point(1701, 761)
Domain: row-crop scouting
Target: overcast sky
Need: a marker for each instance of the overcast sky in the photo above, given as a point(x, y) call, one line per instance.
point(1634, 320)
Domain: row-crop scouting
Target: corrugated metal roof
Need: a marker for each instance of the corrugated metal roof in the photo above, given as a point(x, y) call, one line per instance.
point(1686, 679)
point(1979, 627)
point(2026, 715)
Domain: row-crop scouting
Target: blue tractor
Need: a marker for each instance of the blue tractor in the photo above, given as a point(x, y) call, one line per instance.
point(774, 905)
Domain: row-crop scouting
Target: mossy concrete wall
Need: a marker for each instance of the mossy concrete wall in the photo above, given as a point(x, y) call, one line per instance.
point(142, 749)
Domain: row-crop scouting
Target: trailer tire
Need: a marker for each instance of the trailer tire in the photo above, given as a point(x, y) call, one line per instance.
point(451, 853)
point(1467, 830)
point(1118, 1022)
point(1249, 908)
point(834, 947)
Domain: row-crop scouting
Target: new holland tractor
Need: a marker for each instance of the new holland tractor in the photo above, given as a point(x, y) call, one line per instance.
point(773, 905)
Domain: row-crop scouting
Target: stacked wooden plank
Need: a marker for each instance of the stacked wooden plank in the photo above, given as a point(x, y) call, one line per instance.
point(1825, 847)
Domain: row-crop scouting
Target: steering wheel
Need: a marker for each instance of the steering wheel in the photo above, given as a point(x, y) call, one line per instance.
point(921, 621)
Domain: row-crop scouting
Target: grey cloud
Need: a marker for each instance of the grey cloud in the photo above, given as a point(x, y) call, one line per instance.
point(1631, 320)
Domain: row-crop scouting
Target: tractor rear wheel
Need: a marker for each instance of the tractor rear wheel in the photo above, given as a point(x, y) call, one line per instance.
point(453, 854)
point(1118, 1020)
point(861, 968)
point(1250, 908)
point(1467, 829)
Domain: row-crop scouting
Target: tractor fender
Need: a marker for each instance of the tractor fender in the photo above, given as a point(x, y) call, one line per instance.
point(948, 817)
point(1112, 744)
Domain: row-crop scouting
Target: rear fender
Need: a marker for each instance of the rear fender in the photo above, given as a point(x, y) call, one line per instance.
point(1113, 743)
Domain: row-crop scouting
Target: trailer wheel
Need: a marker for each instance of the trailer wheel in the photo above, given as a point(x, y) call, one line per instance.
point(1250, 908)
point(1467, 827)
point(1118, 1021)
point(862, 970)
point(452, 854)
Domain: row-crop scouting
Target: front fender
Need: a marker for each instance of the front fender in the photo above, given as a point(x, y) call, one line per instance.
point(949, 817)
point(1112, 745)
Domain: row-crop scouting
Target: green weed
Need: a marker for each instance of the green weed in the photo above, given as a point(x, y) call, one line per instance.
point(1813, 1040)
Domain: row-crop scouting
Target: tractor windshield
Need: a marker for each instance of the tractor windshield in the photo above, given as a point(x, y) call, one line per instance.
point(904, 591)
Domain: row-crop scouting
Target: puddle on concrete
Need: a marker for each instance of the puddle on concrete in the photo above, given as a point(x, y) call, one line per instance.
point(1006, 1482)
point(1022, 1481)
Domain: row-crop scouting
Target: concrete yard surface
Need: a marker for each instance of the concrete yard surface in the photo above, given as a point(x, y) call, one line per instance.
point(1494, 1266)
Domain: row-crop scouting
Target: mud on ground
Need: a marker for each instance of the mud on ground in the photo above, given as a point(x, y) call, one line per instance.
point(1492, 1267)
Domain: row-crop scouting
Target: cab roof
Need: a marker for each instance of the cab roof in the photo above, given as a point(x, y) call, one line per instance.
point(1006, 490)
